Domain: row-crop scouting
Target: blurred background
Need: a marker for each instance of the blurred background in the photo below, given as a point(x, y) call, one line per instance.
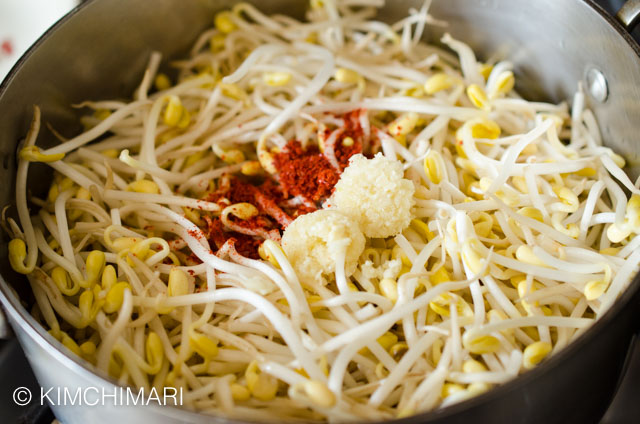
point(22, 22)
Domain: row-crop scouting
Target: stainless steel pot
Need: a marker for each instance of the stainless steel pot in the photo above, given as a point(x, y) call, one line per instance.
point(100, 49)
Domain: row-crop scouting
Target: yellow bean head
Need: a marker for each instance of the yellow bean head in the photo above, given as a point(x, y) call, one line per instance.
point(478, 97)
point(535, 353)
point(33, 154)
point(224, 23)
point(17, 255)
point(319, 393)
point(262, 386)
point(155, 352)
point(95, 264)
point(109, 277)
point(178, 284)
point(115, 297)
point(144, 186)
point(203, 345)
point(438, 82)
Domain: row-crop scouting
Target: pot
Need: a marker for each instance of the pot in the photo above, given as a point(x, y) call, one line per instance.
point(100, 50)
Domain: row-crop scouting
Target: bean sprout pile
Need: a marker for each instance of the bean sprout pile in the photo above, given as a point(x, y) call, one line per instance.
point(523, 227)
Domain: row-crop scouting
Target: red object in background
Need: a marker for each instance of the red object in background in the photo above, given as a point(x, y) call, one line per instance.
point(6, 47)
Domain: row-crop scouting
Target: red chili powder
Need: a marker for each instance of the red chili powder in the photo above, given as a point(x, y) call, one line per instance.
point(352, 128)
point(343, 153)
point(193, 259)
point(259, 221)
point(236, 192)
point(264, 197)
point(194, 233)
point(305, 172)
point(244, 244)
point(302, 210)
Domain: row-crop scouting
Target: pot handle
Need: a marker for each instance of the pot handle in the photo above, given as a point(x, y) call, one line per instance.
point(629, 14)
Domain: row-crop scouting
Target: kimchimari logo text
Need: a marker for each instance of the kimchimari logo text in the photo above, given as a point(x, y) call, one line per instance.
point(118, 396)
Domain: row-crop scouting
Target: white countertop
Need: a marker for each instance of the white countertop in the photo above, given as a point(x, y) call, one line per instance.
point(22, 22)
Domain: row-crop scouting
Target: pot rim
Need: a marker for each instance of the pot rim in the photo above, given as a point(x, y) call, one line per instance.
point(21, 317)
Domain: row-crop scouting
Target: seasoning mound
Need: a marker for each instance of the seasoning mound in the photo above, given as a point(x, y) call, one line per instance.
point(305, 172)
point(315, 243)
point(374, 193)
